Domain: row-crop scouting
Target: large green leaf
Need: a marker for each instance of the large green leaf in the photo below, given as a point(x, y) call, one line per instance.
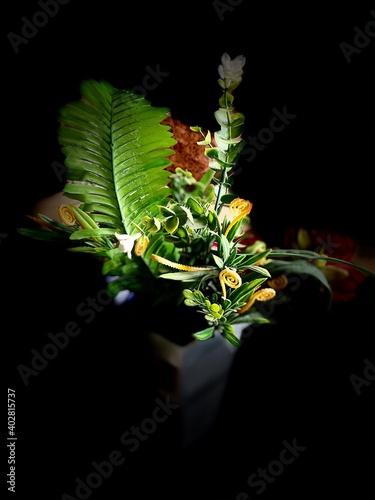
point(303, 267)
point(310, 255)
point(116, 153)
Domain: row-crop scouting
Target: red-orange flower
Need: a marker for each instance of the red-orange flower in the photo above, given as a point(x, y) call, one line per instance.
point(343, 279)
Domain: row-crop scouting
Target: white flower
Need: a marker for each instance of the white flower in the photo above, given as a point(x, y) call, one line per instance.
point(127, 242)
point(231, 70)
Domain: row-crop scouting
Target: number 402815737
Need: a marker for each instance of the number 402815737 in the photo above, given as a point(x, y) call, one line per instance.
point(11, 411)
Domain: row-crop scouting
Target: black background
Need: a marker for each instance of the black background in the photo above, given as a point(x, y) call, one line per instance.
point(318, 172)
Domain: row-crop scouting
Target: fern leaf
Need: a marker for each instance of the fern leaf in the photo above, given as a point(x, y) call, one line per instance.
point(116, 152)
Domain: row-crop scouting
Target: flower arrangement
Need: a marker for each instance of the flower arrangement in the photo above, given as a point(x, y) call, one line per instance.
point(168, 237)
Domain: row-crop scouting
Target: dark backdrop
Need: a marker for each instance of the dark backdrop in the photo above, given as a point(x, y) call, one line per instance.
point(317, 172)
point(321, 162)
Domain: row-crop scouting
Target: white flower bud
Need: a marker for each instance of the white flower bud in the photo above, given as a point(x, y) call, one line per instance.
point(127, 242)
point(231, 70)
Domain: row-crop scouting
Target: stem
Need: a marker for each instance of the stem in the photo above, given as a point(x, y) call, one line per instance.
point(224, 175)
point(222, 180)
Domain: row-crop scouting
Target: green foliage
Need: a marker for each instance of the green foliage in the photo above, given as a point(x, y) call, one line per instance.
point(158, 234)
point(117, 149)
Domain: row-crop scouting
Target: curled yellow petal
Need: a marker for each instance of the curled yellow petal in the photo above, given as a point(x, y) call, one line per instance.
point(279, 282)
point(265, 294)
point(229, 278)
point(239, 208)
point(176, 265)
point(262, 295)
point(141, 245)
point(66, 215)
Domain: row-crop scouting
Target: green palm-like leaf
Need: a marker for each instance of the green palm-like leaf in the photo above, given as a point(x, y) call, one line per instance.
point(308, 254)
point(118, 150)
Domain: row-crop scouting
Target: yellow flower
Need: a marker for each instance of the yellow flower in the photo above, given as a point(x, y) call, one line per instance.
point(229, 278)
point(261, 295)
point(176, 265)
point(279, 282)
point(141, 245)
point(66, 215)
point(239, 208)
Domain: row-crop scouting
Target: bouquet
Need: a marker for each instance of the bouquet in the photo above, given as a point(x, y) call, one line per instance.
point(170, 239)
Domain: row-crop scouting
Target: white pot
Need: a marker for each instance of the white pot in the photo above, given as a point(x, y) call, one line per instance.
point(193, 376)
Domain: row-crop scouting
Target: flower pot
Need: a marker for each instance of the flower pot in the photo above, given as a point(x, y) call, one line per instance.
point(169, 362)
point(193, 376)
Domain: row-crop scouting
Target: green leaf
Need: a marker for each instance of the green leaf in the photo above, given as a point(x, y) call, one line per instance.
point(307, 254)
point(213, 221)
point(253, 317)
point(259, 270)
point(171, 224)
point(225, 144)
point(298, 267)
point(212, 153)
point(205, 334)
point(196, 128)
point(226, 199)
point(115, 138)
point(195, 206)
point(207, 178)
point(229, 335)
point(225, 247)
point(234, 230)
point(252, 259)
point(83, 218)
point(166, 211)
point(242, 293)
point(183, 234)
point(43, 234)
point(226, 100)
point(185, 275)
point(218, 261)
point(206, 141)
point(82, 234)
